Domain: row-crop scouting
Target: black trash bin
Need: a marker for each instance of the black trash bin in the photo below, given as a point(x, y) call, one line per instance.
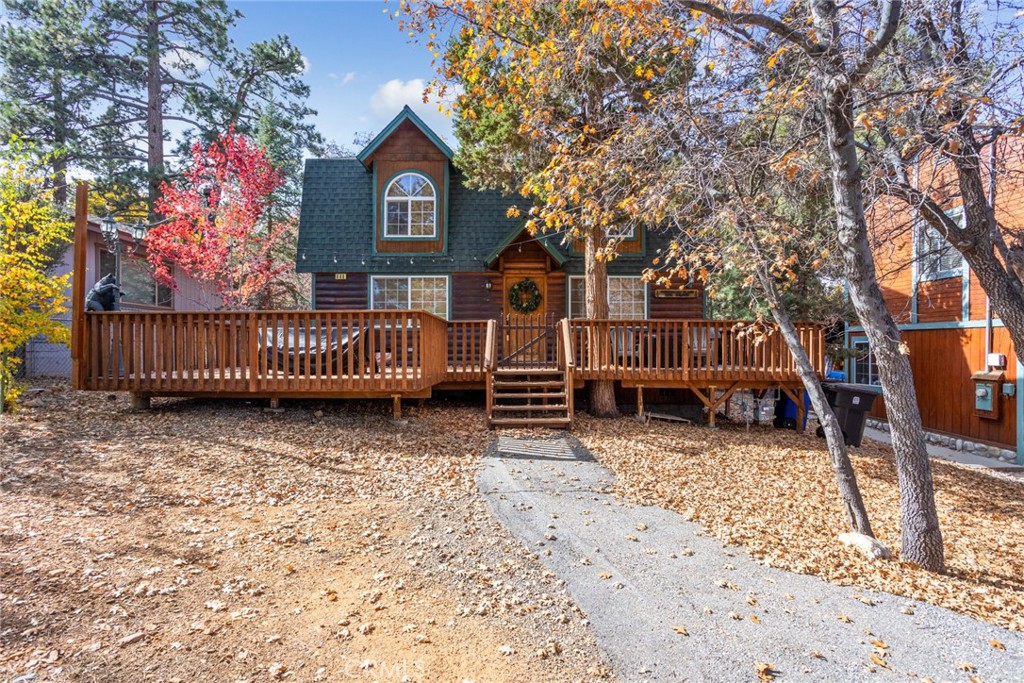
point(851, 404)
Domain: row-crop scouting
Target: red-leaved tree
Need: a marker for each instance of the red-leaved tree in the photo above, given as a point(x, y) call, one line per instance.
point(215, 230)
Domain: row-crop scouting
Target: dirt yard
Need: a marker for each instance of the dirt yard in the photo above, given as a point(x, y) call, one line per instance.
point(773, 492)
point(218, 541)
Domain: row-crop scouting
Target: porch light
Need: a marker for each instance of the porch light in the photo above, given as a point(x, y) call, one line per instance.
point(139, 231)
point(109, 229)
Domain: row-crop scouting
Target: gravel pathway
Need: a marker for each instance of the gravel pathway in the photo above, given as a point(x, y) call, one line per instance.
point(641, 573)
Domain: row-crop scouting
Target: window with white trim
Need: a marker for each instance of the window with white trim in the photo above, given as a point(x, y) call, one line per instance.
point(937, 259)
point(415, 293)
point(863, 370)
point(627, 297)
point(410, 207)
point(137, 282)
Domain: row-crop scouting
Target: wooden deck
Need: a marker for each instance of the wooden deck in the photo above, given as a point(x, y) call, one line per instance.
point(409, 353)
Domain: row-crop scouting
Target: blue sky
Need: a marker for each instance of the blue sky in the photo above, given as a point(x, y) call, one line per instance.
point(362, 69)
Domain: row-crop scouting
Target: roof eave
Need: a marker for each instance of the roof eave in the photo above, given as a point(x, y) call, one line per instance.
point(407, 114)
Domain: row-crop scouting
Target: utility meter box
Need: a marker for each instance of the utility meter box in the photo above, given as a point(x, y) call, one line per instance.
point(986, 394)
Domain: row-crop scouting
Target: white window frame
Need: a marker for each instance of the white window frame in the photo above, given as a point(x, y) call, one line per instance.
point(408, 302)
point(872, 373)
point(577, 278)
point(410, 201)
point(921, 229)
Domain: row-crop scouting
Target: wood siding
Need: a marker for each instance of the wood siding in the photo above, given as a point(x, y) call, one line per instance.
point(471, 300)
point(349, 294)
point(943, 361)
point(675, 308)
point(633, 245)
point(408, 149)
point(891, 227)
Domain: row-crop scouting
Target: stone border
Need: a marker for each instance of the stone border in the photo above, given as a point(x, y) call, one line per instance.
point(957, 443)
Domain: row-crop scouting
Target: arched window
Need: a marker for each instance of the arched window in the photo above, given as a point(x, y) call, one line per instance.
point(410, 207)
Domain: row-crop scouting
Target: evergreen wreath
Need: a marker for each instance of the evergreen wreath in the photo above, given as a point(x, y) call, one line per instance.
point(524, 296)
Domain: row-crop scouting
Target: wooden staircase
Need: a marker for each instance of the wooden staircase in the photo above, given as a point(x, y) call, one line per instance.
point(529, 397)
point(525, 394)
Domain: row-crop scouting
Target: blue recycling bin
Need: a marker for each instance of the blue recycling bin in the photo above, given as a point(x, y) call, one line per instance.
point(785, 409)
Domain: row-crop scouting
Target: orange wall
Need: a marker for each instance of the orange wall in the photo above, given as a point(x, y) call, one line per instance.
point(943, 361)
point(891, 223)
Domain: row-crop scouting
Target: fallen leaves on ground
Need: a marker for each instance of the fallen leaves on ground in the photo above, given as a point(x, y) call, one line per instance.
point(774, 492)
point(212, 540)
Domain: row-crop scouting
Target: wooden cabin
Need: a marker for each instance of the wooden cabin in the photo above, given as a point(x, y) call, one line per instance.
point(967, 377)
point(420, 284)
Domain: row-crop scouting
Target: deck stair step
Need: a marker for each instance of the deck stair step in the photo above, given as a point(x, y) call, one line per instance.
point(529, 397)
point(532, 422)
point(535, 384)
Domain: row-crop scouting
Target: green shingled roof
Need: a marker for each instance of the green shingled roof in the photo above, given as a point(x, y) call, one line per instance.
point(336, 224)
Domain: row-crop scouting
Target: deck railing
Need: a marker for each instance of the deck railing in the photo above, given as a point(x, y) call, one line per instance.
point(466, 340)
point(265, 351)
point(689, 351)
point(396, 352)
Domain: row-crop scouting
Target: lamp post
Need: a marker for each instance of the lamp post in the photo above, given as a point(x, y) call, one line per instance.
point(112, 238)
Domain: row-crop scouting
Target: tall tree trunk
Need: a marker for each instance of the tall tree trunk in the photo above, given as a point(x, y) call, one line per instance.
point(1000, 281)
point(839, 455)
point(154, 106)
point(60, 141)
point(921, 538)
point(602, 392)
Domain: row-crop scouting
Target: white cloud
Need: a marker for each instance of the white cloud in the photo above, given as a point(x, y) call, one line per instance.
point(344, 79)
point(395, 94)
point(177, 62)
point(306, 66)
point(390, 97)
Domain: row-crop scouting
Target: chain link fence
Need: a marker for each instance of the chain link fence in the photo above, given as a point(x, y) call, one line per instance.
point(43, 358)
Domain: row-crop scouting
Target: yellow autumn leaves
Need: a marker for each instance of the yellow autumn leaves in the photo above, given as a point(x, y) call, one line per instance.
point(32, 230)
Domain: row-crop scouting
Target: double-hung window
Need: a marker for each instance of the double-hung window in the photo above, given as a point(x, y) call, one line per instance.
point(627, 298)
point(414, 292)
point(863, 364)
point(410, 207)
point(936, 257)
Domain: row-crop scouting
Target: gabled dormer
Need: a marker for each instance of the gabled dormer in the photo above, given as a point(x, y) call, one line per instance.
point(410, 166)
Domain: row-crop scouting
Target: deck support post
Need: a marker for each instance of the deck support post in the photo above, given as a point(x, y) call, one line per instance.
point(396, 406)
point(712, 408)
point(639, 401)
point(275, 403)
point(801, 411)
point(139, 401)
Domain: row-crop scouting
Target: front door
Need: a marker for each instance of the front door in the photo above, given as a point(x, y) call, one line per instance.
point(525, 326)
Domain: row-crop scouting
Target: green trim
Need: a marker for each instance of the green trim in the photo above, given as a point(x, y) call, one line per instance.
point(489, 260)
point(1019, 398)
point(951, 325)
point(406, 114)
point(384, 198)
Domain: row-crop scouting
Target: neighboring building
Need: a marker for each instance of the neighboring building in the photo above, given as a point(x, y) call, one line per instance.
point(968, 380)
point(396, 227)
point(141, 293)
